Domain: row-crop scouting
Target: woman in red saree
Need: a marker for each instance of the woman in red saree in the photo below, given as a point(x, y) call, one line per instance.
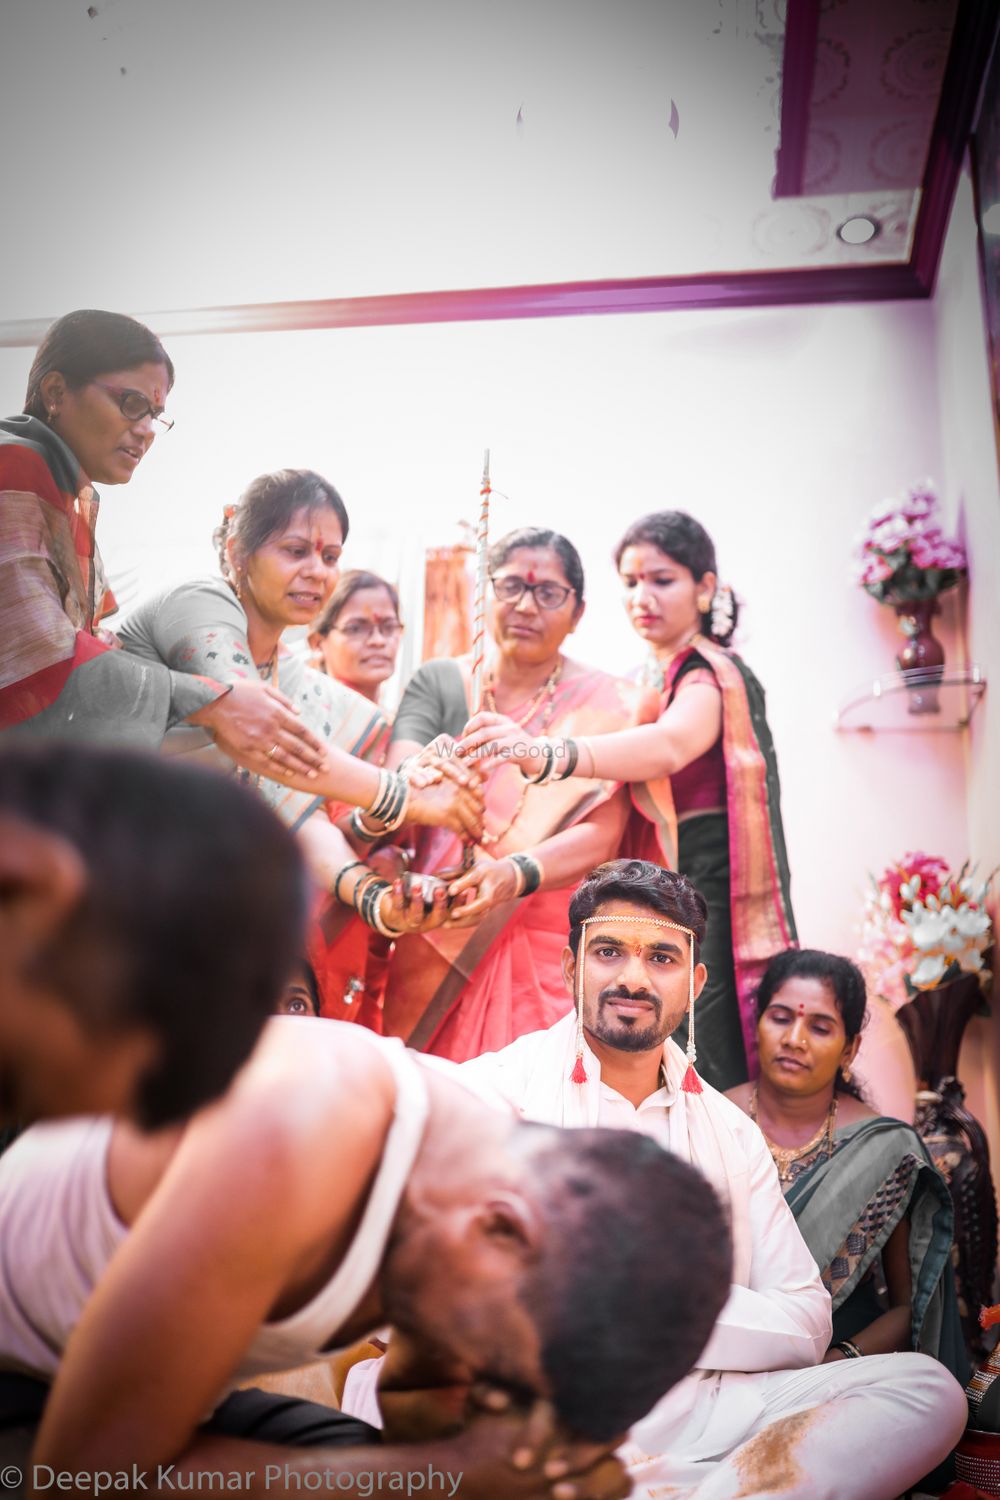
point(492, 969)
point(355, 640)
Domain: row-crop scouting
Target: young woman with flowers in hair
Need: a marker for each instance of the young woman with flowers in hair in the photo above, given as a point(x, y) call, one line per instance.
point(704, 776)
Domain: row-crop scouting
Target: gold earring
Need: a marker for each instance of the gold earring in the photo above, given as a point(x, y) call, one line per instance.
point(845, 1072)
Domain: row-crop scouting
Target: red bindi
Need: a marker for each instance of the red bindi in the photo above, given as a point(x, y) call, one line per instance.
point(802, 1009)
point(530, 577)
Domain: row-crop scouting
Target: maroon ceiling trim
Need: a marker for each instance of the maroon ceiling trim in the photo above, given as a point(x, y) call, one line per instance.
point(555, 300)
point(798, 69)
point(976, 24)
point(975, 30)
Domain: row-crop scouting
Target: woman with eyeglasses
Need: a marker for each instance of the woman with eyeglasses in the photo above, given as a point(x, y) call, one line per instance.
point(279, 554)
point(356, 640)
point(487, 968)
point(704, 776)
point(357, 636)
point(95, 402)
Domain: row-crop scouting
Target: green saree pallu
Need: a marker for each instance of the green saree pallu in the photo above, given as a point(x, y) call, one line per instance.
point(847, 1205)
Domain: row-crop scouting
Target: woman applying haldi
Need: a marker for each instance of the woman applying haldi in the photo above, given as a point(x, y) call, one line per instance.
point(279, 554)
point(489, 970)
point(704, 777)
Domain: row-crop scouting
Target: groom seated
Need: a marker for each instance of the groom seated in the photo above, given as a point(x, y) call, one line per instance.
point(768, 1406)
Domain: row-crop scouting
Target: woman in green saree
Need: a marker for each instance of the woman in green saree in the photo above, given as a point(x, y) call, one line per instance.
point(872, 1208)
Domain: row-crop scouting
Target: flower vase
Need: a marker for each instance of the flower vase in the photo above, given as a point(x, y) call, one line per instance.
point(923, 654)
point(933, 1023)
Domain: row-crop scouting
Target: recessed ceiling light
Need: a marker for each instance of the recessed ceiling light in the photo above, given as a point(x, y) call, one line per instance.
point(859, 230)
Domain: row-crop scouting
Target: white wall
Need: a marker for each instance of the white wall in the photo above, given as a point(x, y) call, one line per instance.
point(778, 428)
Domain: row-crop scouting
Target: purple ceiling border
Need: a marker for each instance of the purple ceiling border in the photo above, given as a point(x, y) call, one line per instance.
point(976, 26)
point(798, 69)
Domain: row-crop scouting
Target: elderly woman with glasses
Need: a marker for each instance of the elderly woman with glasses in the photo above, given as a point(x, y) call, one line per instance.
point(487, 968)
point(95, 402)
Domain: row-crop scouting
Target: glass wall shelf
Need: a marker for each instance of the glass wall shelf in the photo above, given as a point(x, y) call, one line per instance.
point(935, 699)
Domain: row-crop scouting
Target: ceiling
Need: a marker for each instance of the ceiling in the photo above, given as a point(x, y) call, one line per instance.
point(283, 163)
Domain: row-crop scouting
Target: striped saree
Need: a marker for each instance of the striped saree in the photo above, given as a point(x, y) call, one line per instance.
point(57, 679)
point(738, 860)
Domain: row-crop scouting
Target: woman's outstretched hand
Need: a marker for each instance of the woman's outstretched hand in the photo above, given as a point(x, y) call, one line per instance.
point(449, 805)
point(484, 886)
point(415, 903)
point(493, 737)
point(258, 727)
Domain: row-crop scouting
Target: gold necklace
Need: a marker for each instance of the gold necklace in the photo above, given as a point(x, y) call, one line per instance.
point(547, 692)
point(785, 1157)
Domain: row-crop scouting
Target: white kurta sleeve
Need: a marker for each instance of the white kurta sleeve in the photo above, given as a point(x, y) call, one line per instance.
point(782, 1320)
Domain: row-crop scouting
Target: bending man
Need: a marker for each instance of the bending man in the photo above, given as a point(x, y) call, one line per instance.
point(342, 1185)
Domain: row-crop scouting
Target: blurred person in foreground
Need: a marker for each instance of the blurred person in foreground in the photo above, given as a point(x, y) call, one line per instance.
point(342, 1185)
point(150, 914)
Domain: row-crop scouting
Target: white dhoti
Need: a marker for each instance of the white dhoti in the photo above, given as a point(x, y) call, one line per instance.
point(856, 1429)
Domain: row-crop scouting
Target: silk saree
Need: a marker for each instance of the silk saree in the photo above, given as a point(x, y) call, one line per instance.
point(459, 992)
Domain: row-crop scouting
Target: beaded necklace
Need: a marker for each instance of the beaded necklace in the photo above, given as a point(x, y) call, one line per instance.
point(546, 693)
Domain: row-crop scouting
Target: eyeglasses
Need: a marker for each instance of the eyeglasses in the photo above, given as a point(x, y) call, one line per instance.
point(363, 630)
point(134, 405)
point(546, 595)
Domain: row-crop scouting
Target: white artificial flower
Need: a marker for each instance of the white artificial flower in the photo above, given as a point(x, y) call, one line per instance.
point(971, 924)
point(928, 971)
point(970, 960)
point(929, 930)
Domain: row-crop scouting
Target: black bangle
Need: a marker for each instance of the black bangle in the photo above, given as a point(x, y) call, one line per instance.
point(361, 830)
point(572, 754)
point(850, 1349)
point(359, 890)
point(530, 870)
point(374, 891)
point(354, 865)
